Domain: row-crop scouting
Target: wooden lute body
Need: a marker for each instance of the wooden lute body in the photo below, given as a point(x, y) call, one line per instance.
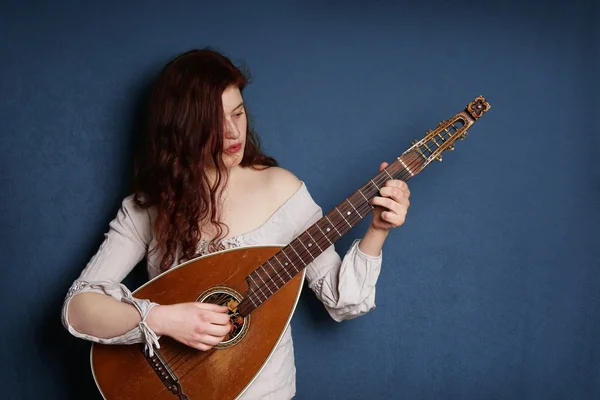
point(260, 285)
point(123, 372)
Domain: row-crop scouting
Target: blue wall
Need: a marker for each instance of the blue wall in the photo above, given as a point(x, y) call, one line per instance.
point(492, 287)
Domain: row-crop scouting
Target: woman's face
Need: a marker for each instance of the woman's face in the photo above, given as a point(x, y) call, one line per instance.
point(235, 120)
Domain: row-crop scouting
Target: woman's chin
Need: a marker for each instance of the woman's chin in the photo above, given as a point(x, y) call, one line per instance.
point(232, 161)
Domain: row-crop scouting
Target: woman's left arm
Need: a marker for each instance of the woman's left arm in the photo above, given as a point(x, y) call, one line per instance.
point(390, 211)
point(346, 286)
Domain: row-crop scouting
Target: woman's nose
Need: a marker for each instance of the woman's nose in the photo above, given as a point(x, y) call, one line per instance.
point(231, 130)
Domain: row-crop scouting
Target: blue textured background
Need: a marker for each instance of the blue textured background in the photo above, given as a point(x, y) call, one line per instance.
point(490, 290)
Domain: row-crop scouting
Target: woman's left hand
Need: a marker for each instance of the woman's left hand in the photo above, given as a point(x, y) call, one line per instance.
point(393, 202)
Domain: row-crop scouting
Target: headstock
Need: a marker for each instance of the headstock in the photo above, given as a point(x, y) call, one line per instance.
point(442, 138)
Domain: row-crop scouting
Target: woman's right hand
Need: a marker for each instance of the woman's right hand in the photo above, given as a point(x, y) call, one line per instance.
point(198, 325)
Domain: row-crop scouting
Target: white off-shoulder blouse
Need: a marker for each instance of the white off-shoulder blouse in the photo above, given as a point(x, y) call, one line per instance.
point(345, 287)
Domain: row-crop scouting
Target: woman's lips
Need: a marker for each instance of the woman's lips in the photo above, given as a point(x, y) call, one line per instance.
point(234, 148)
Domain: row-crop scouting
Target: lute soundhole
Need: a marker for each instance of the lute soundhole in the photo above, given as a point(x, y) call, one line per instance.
point(225, 296)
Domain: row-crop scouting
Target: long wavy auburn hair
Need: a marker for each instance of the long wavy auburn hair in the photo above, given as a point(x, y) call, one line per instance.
point(182, 134)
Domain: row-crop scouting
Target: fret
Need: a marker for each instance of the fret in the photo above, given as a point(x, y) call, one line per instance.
point(322, 233)
point(279, 261)
point(256, 285)
point(316, 250)
point(363, 203)
point(333, 226)
point(365, 209)
point(367, 200)
point(406, 167)
point(277, 273)
point(308, 233)
point(288, 259)
point(348, 200)
point(310, 247)
point(343, 217)
point(388, 174)
point(285, 269)
point(301, 259)
point(302, 243)
point(286, 256)
point(375, 184)
point(268, 280)
point(264, 283)
point(252, 300)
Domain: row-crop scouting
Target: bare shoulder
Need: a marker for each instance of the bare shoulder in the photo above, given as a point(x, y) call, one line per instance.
point(281, 183)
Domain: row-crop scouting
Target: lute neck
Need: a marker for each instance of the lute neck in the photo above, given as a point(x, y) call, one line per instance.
point(295, 257)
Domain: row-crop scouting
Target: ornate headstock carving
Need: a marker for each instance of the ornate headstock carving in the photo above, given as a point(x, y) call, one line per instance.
point(442, 138)
point(478, 107)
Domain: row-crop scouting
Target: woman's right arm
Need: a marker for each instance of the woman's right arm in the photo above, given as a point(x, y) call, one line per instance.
point(101, 309)
point(97, 306)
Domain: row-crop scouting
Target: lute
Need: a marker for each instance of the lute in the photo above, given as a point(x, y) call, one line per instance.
point(260, 285)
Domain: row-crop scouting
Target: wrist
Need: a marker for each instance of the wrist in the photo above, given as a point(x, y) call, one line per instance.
point(380, 233)
point(155, 319)
point(372, 241)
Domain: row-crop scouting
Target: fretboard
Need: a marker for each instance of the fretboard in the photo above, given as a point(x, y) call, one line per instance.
point(300, 252)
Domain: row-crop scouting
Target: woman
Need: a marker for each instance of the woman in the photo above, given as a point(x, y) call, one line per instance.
point(203, 184)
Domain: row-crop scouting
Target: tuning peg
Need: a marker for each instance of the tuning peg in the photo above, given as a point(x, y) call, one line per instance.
point(451, 148)
point(439, 158)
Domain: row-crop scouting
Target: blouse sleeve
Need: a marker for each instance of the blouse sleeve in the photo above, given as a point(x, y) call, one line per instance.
point(345, 286)
point(124, 246)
